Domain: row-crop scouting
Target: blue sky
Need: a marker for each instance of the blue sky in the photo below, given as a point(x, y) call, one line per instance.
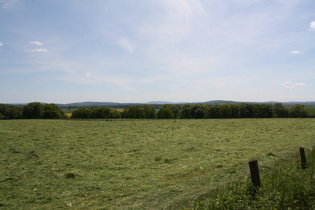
point(64, 51)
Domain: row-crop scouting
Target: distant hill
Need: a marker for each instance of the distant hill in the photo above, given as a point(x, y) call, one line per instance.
point(305, 103)
point(219, 102)
point(291, 103)
point(167, 102)
point(160, 103)
point(213, 102)
point(90, 103)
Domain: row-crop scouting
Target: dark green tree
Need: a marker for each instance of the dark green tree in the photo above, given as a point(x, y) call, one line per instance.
point(165, 113)
point(9, 111)
point(280, 111)
point(13, 113)
point(136, 112)
point(247, 110)
point(81, 113)
point(225, 111)
point(149, 112)
point(264, 110)
point(186, 112)
point(2, 109)
point(235, 111)
point(100, 112)
point(125, 113)
point(114, 114)
point(52, 111)
point(176, 111)
point(298, 111)
point(33, 110)
point(200, 114)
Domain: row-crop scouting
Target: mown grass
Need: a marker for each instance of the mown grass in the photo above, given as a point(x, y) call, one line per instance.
point(310, 110)
point(285, 185)
point(68, 110)
point(142, 164)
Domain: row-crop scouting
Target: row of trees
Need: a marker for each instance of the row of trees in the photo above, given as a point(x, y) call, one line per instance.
point(169, 111)
point(34, 110)
point(243, 110)
point(96, 113)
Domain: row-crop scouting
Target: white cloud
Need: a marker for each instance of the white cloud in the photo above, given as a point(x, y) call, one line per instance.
point(183, 10)
point(36, 43)
point(295, 52)
point(38, 50)
point(7, 3)
point(174, 21)
point(290, 85)
point(126, 44)
point(312, 25)
point(1, 44)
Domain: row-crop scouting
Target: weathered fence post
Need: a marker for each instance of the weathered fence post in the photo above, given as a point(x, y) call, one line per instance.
point(254, 171)
point(303, 158)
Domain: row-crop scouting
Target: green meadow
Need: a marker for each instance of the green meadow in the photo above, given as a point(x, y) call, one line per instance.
point(140, 164)
point(310, 110)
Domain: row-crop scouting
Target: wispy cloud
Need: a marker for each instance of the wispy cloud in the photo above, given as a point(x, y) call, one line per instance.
point(312, 25)
point(126, 44)
point(174, 21)
point(295, 52)
point(290, 85)
point(36, 43)
point(38, 50)
point(1, 44)
point(183, 10)
point(7, 3)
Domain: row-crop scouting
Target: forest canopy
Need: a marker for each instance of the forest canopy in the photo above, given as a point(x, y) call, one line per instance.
point(36, 110)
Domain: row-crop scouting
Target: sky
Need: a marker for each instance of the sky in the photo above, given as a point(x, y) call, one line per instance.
point(136, 51)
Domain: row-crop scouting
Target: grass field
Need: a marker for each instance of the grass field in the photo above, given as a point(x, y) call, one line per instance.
point(310, 110)
point(284, 185)
point(143, 164)
point(68, 110)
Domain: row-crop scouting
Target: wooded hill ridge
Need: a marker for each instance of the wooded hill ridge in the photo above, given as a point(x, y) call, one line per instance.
point(213, 102)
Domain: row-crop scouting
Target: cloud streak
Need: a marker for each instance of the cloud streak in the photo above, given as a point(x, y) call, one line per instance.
point(290, 85)
point(35, 43)
point(312, 25)
point(38, 50)
point(7, 3)
point(126, 44)
point(295, 52)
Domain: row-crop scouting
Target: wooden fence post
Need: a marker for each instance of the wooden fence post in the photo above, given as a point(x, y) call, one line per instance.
point(303, 158)
point(254, 171)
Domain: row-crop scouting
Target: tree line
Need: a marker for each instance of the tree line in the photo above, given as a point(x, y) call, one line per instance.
point(201, 111)
point(36, 110)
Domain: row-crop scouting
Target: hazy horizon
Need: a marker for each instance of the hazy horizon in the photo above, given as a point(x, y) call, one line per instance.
point(163, 102)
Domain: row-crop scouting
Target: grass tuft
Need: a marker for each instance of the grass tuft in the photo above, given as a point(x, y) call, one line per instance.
point(70, 175)
point(284, 186)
